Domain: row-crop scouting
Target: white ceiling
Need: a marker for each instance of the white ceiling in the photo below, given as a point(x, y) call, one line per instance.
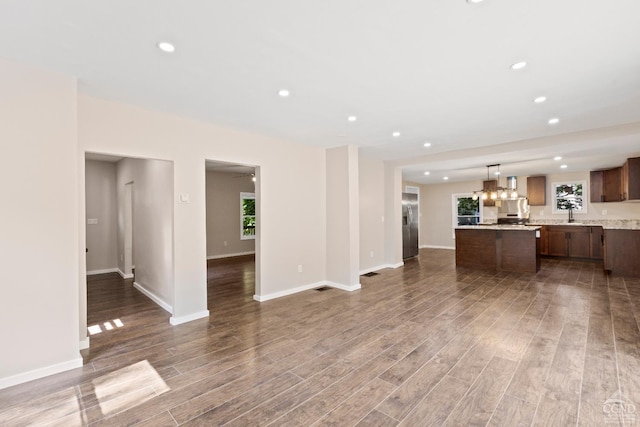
point(436, 71)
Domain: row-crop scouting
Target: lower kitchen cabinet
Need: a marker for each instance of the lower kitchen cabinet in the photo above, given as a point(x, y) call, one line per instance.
point(622, 252)
point(573, 241)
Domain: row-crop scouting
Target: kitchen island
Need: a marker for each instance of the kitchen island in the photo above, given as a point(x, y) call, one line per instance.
point(498, 247)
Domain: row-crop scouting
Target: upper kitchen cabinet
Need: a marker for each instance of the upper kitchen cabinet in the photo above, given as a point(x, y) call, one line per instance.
point(606, 185)
point(631, 179)
point(537, 190)
point(491, 185)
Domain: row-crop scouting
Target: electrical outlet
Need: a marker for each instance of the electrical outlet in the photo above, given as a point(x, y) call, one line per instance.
point(541, 213)
point(224, 243)
point(371, 254)
point(604, 211)
point(300, 268)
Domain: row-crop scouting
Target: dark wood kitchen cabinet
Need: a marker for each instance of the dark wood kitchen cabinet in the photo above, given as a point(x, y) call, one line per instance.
point(630, 179)
point(622, 252)
point(606, 185)
point(544, 240)
point(537, 190)
point(572, 241)
point(597, 243)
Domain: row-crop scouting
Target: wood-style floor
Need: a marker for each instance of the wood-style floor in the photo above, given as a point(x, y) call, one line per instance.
point(421, 345)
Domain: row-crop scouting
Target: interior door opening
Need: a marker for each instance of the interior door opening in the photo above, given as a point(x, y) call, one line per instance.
point(233, 236)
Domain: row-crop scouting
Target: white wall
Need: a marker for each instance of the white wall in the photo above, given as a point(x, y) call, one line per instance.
point(342, 217)
point(40, 224)
point(372, 204)
point(290, 176)
point(393, 215)
point(152, 224)
point(223, 214)
point(101, 204)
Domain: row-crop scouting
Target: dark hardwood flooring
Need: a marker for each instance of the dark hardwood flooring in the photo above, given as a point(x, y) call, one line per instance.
point(426, 344)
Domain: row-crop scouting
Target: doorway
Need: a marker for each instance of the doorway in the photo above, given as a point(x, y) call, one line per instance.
point(232, 231)
point(129, 223)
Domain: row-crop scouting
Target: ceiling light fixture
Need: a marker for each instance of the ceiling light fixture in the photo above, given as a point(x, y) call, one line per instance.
point(554, 121)
point(166, 47)
point(352, 118)
point(474, 1)
point(519, 65)
point(446, 178)
point(510, 191)
point(540, 99)
point(427, 144)
point(563, 166)
point(556, 158)
point(427, 173)
point(396, 134)
point(283, 93)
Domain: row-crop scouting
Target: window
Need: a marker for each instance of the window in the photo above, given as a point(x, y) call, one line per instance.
point(247, 216)
point(466, 211)
point(569, 195)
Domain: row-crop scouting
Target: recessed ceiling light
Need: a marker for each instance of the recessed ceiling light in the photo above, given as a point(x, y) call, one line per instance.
point(556, 158)
point(166, 47)
point(474, 1)
point(554, 121)
point(352, 118)
point(396, 134)
point(563, 166)
point(519, 65)
point(540, 99)
point(427, 173)
point(445, 178)
point(283, 93)
point(427, 144)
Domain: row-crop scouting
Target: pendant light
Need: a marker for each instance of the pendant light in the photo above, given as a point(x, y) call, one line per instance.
point(504, 193)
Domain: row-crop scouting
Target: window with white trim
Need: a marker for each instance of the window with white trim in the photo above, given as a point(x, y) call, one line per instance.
point(247, 216)
point(465, 210)
point(569, 195)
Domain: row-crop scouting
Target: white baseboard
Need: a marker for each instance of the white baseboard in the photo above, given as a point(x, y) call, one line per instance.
point(437, 247)
point(124, 276)
point(262, 298)
point(188, 318)
point(84, 343)
point(40, 373)
point(153, 297)
point(106, 270)
point(349, 288)
point(372, 269)
point(380, 267)
point(231, 255)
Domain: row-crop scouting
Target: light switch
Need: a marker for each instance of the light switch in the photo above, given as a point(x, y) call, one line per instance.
point(92, 221)
point(184, 197)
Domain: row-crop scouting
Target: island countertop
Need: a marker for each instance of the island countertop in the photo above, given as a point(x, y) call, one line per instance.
point(501, 227)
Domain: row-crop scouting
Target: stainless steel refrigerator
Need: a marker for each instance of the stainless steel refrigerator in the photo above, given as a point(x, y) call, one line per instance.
point(409, 225)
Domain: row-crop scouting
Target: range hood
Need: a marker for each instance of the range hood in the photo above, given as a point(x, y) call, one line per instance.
point(513, 211)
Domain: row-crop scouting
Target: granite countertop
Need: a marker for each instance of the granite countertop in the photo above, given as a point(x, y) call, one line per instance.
point(607, 224)
point(499, 227)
